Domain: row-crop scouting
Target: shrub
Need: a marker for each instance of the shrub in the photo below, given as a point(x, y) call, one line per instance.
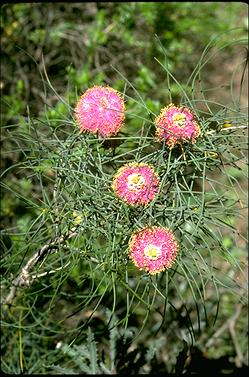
point(68, 284)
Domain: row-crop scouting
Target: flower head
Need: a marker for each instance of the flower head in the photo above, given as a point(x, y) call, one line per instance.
point(153, 249)
point(175, 125)
point(136, 183)
point(100, 109)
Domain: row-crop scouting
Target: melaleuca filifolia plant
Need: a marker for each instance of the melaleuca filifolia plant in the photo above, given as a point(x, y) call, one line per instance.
point(128, 219)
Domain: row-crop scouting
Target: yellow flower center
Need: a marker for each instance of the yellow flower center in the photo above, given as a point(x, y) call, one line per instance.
point(179, 119)
point(135, 181)
point(152, 252)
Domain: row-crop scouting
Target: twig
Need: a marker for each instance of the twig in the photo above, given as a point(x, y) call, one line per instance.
point(227, 129)
point(230, 325)
point(50, 272)
point(24, 279)
point(223, 327)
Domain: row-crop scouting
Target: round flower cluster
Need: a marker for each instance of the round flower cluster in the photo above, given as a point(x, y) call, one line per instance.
point(153, 249)
point(175, 125)
point(136, 183)
point(100, 109)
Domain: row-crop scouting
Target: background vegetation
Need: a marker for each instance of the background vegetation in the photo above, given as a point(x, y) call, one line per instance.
point(86, 309)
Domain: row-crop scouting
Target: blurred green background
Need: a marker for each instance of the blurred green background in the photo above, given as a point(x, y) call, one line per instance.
point(53, 52)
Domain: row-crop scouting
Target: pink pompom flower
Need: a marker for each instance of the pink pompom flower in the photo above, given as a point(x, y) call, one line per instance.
point(175, 125)
point(100, 109)
point(136, 183)
point(153, 249)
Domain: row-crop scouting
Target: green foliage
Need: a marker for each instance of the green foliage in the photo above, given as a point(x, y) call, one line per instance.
point(117, 357)
point(88, 309)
